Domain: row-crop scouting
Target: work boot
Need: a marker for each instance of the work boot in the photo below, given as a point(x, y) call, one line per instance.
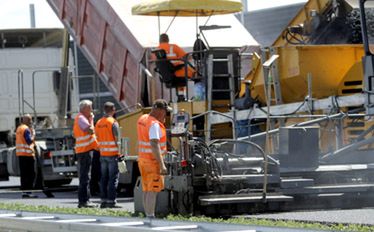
point(150, 218)
point(28, 195)
point(112, 205)
point(87, 205)
point(103, 205)
point(48, 194)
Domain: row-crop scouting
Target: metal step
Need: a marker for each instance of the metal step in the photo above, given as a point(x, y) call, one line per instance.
point(242, 198)
point(325, 189)
point(249, 178)
point(296, 183)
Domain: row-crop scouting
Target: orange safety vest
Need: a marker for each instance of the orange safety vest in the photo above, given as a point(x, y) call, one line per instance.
point(22, 148)
point(173, 51)
point(84, 141)
point(104, 133)
point(144, 146)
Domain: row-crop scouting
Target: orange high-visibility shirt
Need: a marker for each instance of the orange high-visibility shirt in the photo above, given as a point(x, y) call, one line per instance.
point(105, 138)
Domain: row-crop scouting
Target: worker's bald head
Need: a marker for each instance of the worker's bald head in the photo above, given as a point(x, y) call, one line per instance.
point(27, 119)
point(164, 38)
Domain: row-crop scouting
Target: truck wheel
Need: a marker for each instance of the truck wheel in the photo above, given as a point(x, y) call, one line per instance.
point(10, 140)
point(7, 139)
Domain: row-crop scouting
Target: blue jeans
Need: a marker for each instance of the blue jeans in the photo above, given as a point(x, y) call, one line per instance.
point(84, 164)
point(109, 178)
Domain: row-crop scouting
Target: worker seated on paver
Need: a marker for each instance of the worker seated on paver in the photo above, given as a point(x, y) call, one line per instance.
point(177, 57)
point(173, 65)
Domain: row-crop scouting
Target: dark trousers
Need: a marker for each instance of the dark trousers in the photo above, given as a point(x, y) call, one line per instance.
point(109, 178)
point(95, 174)
point(84, 164)
point(27, 172)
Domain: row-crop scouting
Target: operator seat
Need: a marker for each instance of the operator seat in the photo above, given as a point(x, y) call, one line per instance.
point(166, 70)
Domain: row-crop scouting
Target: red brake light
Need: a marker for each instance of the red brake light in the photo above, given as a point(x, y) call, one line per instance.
point(47, 155)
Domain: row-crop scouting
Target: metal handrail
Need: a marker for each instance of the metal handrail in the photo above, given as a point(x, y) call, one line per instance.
point(33, 107)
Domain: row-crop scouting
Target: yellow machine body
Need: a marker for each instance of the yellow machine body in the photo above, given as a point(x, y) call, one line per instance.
point(335, 70)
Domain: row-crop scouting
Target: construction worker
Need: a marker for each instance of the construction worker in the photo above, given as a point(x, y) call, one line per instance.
point(108, 137)
point(26, 155)
point(85, 144)
point(151, 148)
point(175, 53)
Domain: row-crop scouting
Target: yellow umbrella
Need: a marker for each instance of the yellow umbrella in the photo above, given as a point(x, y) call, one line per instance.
point(186, 7)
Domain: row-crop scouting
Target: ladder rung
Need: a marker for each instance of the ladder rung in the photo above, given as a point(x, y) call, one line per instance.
point(222, 75)
point(220, 60)
point(222, 90)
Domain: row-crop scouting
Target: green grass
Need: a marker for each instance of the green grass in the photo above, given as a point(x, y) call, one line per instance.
point(240, 220)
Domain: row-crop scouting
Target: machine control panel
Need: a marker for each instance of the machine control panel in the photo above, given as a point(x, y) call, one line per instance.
point(180, 123)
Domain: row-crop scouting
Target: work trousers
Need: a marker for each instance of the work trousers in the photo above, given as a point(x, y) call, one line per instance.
point(84, 165)
point(109, 178)
point(95, 174)
point(27, 172)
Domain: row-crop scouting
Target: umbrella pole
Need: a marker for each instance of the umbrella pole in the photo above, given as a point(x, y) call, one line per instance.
point(171, 23)
point(159, 23)
point(197, 26)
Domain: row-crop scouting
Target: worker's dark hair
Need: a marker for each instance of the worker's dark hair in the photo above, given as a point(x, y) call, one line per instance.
point(109, 107)
point(161, 104)
point(164, 38)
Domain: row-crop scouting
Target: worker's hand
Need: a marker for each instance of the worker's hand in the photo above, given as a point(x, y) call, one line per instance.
point(32, 132)
point(92, 116)
point(91, 130)
point(163, 170)
point(121, 157)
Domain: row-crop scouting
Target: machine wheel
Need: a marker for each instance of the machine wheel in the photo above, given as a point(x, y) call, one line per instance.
point(127, 190)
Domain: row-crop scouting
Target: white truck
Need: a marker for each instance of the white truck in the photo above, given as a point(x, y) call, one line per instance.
point(35, 79)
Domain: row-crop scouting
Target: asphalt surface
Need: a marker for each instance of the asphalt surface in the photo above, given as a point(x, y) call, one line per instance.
point(10, 193)
point(346, 216)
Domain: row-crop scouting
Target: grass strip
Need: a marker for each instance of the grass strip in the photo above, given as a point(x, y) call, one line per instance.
point(239, 220)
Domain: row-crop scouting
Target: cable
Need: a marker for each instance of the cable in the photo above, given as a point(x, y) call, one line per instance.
point(288, 33)
point(295, 111)
point(235, 141)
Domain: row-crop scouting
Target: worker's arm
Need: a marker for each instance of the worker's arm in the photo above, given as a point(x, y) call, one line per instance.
point(154, 137)
point(156, 150)
point(28, 136)
point(116, 134)
point(85, 124)
point(179, 52)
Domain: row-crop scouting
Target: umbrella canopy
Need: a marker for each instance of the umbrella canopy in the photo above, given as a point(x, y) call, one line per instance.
point(187, 7)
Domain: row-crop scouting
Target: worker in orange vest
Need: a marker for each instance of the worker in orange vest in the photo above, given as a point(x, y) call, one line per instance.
point(175, 54)
point(85, 144)
point(151, 148)
point(108, 137)
point(26, 155)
